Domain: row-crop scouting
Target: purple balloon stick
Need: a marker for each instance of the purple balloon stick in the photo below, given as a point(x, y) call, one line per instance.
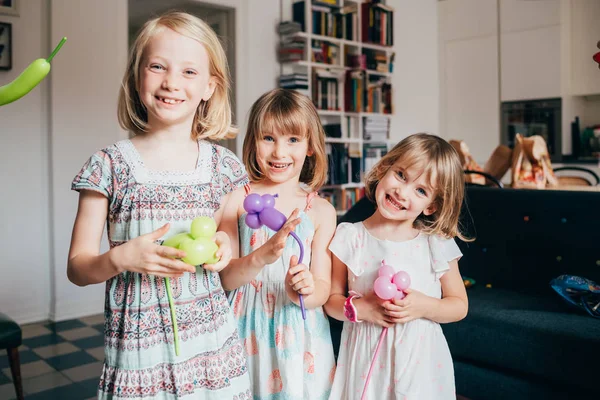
point(261, 211)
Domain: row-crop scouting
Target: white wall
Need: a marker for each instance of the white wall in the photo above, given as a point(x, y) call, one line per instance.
point(469, 74)
point(48, 135)
point(415, 80)
point(84, 86)
point(24, 237)
point(529, 49)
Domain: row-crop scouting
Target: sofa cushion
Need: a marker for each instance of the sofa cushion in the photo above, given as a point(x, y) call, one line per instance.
point(537, 335)
point(10, 333)
point(475, 382)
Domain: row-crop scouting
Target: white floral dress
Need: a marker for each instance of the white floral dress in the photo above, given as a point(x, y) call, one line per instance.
point(414, 362)
point(288, 358)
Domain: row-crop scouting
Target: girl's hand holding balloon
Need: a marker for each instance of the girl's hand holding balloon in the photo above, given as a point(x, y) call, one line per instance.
point(145, 256)
point(414, 306)
point(298, 280)
point(270, 252)
point(223, 254)
point(370, 308)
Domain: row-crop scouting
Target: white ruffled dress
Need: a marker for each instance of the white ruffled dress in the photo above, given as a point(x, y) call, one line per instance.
point(414, 361)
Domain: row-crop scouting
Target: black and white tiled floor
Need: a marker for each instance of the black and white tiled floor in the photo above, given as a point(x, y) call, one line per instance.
point(61, 360)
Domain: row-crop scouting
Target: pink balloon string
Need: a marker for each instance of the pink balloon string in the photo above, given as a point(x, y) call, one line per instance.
point(389, 285)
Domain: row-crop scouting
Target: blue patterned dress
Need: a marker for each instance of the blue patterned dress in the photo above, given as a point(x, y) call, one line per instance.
point(288, 358)
point(140, 360)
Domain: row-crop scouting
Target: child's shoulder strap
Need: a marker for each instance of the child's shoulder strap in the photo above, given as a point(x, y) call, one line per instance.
point(247, 189)
point(309, 198)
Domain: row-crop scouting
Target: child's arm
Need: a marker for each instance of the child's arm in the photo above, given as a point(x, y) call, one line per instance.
point(87, 266)
point(452, 307)
point(315, 283)
point(368, 308)
point(241, 271)
point(226, 240)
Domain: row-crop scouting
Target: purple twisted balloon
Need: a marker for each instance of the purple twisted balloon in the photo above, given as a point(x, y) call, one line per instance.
point(261, 211)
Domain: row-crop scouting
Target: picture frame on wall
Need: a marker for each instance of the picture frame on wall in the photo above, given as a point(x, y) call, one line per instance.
point(9, 7)
point(5, 46)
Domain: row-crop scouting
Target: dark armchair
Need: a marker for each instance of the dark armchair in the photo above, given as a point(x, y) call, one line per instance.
point(10, 339)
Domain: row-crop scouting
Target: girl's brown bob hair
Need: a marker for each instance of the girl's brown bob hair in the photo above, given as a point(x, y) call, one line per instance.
point(292, 113)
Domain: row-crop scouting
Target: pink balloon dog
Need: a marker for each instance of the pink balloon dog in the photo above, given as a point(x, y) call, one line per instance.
point(388, 286)
point(261, 211)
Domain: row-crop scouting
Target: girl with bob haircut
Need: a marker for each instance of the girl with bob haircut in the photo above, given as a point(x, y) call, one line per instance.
point(284, 154)
point(418, 189)
point(147, 189)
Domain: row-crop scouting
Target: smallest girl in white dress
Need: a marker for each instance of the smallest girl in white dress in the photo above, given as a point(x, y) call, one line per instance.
point(418, 188)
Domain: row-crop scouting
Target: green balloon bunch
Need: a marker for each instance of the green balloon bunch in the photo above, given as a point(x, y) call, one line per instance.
point(199, 249)
point(198, 246)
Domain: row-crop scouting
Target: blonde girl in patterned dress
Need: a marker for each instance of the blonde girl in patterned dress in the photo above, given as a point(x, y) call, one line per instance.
point(418, 189)
point(288, 357)
point(173, 98)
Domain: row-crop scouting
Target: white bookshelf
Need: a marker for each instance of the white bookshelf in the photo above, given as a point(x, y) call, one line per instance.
point(352, 123)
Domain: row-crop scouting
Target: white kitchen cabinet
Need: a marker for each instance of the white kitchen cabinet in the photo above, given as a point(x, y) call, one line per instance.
point(469, 91)
point(521, 15)
point(471, 94)
point(461, 19)
point(530, 64)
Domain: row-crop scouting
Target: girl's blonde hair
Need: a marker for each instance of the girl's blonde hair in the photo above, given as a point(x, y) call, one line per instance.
point(439, 161)
point(290, 113)
point(213, 117)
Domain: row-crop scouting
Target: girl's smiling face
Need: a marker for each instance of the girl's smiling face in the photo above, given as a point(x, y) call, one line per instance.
point(404, 193)
point(174, 78)
point(281, 156)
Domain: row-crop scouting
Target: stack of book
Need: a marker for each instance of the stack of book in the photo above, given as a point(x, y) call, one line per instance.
point(376, 128)
point(325, 88)
point(296, 81)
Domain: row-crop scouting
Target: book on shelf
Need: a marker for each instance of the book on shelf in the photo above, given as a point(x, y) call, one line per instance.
point(333, 130)
point(344, 163)
point(372, 153)
point(343, 199)
point(377, 24)
point(376, 60)
point(378, 96)
point(353, 88)
point(289, 27)
point(296, 81)
point(325, 52)
point(325, 89)
point(376, 128)
point(355, 61)
point(329, 19)
point(337, 160)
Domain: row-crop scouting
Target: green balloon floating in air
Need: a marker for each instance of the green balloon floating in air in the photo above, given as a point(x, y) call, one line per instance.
point(28, 79)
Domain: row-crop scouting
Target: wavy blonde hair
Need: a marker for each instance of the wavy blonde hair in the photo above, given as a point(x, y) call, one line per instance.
point(292, 113)
point(213, 117)
point(439, 161)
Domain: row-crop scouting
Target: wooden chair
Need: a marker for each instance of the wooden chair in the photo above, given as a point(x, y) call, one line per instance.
point(489, 179)
point(578, 180)
point(10, 339)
